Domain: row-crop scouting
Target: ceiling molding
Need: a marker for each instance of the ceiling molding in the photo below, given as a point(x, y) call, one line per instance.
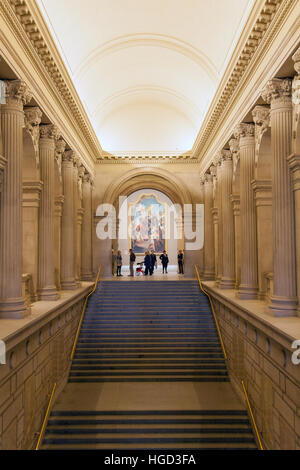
point(26, 21)
point(149, 40)
point(146, 158)
point(264, 15)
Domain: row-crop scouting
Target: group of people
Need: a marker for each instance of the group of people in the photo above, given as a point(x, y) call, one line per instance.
point(150, 262)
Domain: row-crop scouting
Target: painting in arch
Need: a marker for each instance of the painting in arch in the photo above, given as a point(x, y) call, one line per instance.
point(147, 224)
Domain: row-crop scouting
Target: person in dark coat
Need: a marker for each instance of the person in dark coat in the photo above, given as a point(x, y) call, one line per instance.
point(164, 261)
point(147, 263)
point(180, 262)
point(153, 261)
point(132, 258)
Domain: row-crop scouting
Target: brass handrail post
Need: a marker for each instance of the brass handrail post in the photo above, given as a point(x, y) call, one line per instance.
point(213, 310)
point(82, 314)
point(41, 434)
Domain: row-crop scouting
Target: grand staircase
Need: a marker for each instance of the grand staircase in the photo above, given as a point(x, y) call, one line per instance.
point(152, 334)
point(148, 331)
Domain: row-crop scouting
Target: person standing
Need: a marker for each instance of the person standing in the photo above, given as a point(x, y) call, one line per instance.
point(147, 263)
point(119, 263)
point(180, 262)
point(164, 261)
point(132, 258)
point(153, 261)
point(113, 262)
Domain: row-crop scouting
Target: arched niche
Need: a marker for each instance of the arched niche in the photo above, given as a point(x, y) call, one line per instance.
point(132, 181)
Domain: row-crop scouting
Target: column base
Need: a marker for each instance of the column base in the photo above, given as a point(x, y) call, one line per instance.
point(48, 293)
point(247, 293)
point(283, 307)
point(226, 283)
point(69, 285)
point(14, 308)
point(88, 277)
point(208, 276)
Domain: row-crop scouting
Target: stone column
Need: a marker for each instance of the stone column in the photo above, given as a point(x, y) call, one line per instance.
point(209, 255)
point(80, 213)
point(59, 202)
point(12, 121)
point(201, 252)
point(67, 266)
point(249, 279)
point(87, 225)
point(228, 274)
point(76, 207)
point(46, 279)
point(214, 211)
point(235, 199)
point(218, 161)
point(284, 300)
point(294, 164)
point(31, 203)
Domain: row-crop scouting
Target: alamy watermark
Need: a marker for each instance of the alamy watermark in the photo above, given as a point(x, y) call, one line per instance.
point(296, 354)
point(187, 223)
point(2, 352)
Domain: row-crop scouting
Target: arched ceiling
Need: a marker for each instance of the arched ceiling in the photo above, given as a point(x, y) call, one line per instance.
point(146, 71)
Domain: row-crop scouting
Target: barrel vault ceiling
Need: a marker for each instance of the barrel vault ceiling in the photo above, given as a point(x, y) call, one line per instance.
point(146, 71)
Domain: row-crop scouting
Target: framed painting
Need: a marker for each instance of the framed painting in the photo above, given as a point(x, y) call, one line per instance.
point(148, 224)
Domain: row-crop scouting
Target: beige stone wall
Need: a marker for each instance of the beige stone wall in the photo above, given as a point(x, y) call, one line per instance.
point(37, 356)
point(260, 354)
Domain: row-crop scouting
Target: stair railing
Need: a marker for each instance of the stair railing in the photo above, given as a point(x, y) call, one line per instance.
point(41, 433)
point(82, 314)
point(252, 417)
point(213, 311)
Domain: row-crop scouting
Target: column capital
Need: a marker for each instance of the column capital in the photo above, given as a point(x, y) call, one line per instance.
point(261, 116)
point(296, 80)
point(244, 130)
point(33, 117)
point(277, 89)
point(60, 146)
point(208, 178)
point(49, 131)
point(234, 146)
point(17, 90)
point(68, 157)
point(296, 60)
point(81, 171)
point(226, 156)
point(213, 170)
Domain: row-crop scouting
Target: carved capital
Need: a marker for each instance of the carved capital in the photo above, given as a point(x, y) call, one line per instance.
point(217, 160)
point(202, 180)
point(296, 59)
point(81, 171)
point(277, 89)
point(60, 146)
point(208, 178)
point(33, 118)
point(213, 170)
point(261, 117)
point(86, 178)
point(49, 131)
point(226, 155)
point(234, 146)
point(68, 157)
point(17, 90)
point(244, 130)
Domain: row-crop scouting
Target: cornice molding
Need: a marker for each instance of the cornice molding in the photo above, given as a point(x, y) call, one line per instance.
point(29, 28)
point(146, 159)
point(268, 20)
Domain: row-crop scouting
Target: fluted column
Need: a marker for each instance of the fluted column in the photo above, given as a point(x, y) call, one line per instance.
point(235, 199)
point(284, 300)
point(214, 212)
point(87, 224)
point(249, 278)
point(12, 121)
point(76, 207)
point(59, 201)
point(228, 274)
point(218, 161)
point(209, 255)
point(80, 213)
point(67, 266)
point(46, 278)
point(201, 252)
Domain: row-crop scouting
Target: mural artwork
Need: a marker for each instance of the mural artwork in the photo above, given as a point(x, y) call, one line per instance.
point(147, 224)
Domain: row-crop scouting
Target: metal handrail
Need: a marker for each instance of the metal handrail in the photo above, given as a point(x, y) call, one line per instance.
point(252, 416)
point(213, 310)
point(41, 434)
point(82, 314)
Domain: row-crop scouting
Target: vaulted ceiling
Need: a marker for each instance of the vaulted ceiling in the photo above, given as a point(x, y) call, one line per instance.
point(146, 71)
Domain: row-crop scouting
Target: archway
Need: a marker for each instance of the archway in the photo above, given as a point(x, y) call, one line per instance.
point(156, 179)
